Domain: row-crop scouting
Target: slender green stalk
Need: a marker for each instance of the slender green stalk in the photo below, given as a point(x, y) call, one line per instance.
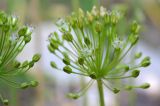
point(101, 94)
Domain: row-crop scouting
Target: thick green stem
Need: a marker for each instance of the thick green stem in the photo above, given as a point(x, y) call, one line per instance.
point(101, 94)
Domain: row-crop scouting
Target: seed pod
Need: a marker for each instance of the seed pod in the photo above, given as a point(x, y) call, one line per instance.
point(135, 73)
point(67, 69)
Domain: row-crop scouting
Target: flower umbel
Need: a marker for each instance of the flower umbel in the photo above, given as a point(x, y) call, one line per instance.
point(89, 45)
point(12, 41)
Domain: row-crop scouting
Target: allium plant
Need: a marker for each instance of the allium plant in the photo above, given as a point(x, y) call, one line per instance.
point(89, 45)
point(13, 39)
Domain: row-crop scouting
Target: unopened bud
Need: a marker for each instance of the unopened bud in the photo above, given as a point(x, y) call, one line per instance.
point(67, 69)
point(135, 73)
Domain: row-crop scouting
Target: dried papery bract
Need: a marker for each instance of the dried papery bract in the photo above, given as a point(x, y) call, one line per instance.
point(94, 49)
point(13, 39)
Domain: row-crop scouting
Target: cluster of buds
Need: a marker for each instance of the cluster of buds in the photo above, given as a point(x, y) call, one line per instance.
point(12, 41)
point(89, 45)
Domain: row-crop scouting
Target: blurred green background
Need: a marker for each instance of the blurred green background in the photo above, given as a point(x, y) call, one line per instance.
point(42, 14)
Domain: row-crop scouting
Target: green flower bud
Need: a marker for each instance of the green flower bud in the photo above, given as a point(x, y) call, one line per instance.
point(81, 60)
point(36, 57)
point(93, 76)
point(67, 69)
point(98, 27)
point(138, 55)
point(133, 39)
point(87, 41)
point(54, 44)
point(135, 27)
point(34, 83)
point(89, 17)
point(27, 39)
point(68, 37)
point(24, 85)
point(16, 64)
point(135, 73)
point(66, 61)
point(6, 28)
point(25, 31)
point(126, 68)
point(51, 49)
point(25, 64)
point(53, 64)
point(5, 102)
point(115, 90)
point(31, 64)
point(145, 86)
point(73, 95)
point(145, 62)
point(128, 88)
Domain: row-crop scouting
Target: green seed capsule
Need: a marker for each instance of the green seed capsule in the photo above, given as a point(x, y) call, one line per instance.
point(145, 86)
point(24, 85)
point(66, 61)
point(73, 96)
point(22, 31)
point(138, 55)
point(115, 90)
point(68, 37)
point(128, 88)
point(51, 49)
point(67, 69)
point(145, 62)
point(53, 64)
point(80, 61)
point(34, 83)
point(16, 64)
point(25, 64)
point(135, 73)
point(27, 39)
point(135, 27)
point(93, 76)
point(5, 102)
point(36, 57)
point(87, 41)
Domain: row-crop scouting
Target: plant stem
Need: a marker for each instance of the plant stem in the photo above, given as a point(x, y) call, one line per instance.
point(101, 94)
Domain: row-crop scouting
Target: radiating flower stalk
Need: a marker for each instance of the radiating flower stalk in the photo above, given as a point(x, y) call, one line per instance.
point(89, 45)
point(13, 39)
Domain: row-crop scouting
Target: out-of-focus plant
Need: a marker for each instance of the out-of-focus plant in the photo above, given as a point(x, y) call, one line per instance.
point(90, 46)
point(13, 39)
